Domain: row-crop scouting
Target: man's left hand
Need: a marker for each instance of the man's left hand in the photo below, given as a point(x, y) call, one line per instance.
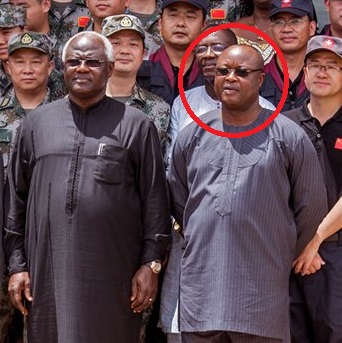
point(144, 289)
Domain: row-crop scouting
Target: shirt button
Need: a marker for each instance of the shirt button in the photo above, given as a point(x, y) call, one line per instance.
point(318, 135)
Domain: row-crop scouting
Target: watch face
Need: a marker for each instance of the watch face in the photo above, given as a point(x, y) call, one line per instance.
point(155, 266)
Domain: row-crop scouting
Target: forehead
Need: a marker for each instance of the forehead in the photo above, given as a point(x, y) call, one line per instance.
point(27, 52)
point(237, 54)
point(24, 2)
point(14, 29)
point(218, 37)
point(286, 15)
point(324, 55)
point(86, 46)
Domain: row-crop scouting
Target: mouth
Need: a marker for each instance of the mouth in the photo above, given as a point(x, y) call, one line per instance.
point(180, 33)
point(287, 39)
point(102, 6)
point(229, 89)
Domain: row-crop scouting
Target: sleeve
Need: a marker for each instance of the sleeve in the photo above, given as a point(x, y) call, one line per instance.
point(2, 253)
point(178, 183)
point(308, 196)
point(154, 197)
point(16, 194)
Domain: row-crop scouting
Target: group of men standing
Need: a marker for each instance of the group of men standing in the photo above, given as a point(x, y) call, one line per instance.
point(87, 221)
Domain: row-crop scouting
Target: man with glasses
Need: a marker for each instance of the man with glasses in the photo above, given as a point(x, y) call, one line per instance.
point(316, 302)
point(334, 9)
point(88, 209)
point(246, 206)
point(293, 23)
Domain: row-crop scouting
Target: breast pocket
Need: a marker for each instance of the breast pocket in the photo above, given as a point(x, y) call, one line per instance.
point(110, 164)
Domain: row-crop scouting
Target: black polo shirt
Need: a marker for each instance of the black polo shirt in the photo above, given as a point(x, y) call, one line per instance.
point(327, 140)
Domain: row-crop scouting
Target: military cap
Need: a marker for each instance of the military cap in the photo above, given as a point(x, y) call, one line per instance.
point(31, 40)
point(300, 8)
point(201, 4)
point(115, 23)
point(324, 43)
point(12, 15)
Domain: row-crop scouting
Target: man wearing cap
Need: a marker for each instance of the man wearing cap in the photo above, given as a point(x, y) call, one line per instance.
point(293, 23)
point(181, 22)
point(127, 35)
point(334, 9)
point(12, 20)
point(316, 303)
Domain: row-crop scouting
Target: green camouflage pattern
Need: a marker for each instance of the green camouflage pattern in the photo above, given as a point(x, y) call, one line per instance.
point(234, 10)
point(12, 15)
point(70, 22)
point(11, 115)
point(31, 40)
point(155, 108)
point(153, 39)
point(116, 23)
point(5, 82)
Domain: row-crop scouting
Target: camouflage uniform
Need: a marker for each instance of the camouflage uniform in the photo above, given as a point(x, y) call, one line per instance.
point(155, 108)
point(73, 20)
point(234, 9)
point(153, 39)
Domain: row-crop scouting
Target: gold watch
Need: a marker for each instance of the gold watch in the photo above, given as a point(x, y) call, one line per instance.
point(155, 266)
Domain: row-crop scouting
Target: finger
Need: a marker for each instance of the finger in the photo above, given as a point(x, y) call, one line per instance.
point(15, 296)
point(140, 302)
point(134, 290)
point(27, 291)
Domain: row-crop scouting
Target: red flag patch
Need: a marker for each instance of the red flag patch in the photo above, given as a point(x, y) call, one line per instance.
point(83, 21)
point(338, 143)
point(218, 13)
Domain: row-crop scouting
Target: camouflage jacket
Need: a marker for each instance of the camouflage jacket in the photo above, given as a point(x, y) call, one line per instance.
point(155, 108)
point(11, 115)
point(5, 82)
point(153, 39)
point(73, 20)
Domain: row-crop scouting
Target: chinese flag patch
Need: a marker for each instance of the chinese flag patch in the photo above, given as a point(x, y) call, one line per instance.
point(83, 21)
point(218, 13)
point(338, 143)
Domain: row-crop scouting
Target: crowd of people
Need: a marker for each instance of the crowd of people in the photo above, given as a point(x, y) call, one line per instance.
point(125, 221)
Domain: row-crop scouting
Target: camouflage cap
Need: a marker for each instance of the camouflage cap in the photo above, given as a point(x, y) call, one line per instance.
point(12, 15)
point(115, 23)
point(31, 40)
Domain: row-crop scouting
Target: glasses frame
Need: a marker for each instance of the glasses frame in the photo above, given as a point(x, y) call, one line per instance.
point(334, 69)
point(238, 72)
point(209, 47)
point(293, 23)
point(87, 63)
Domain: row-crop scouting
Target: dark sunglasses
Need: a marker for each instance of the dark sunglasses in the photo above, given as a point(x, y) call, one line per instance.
point(239, 72)
point(88, 63)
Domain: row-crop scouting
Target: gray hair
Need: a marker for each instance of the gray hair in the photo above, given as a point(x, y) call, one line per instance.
point(108, 49)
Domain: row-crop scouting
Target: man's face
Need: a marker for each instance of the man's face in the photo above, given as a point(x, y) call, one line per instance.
point(334, 8)
point(29, 69)
point(101, 9)
point(35, 12)
point(86, 80)
point(5, 35)
point(180, 24)
point(208, 51)
point(234, 91)
point(294, 36)
point(324, 82)
point(128, 51)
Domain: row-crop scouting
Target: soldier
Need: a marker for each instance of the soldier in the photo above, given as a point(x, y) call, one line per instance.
point(126, 33)
point(149, 14)
point(12, 20)
point(99, 12)
point(67, 18)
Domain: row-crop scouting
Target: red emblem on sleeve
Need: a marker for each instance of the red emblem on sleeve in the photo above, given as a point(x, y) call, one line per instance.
point(338, 143)
point(218, 13)
point(83, 21)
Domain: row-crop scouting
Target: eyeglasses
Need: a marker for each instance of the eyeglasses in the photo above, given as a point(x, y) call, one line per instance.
point(295, 23)
point(331, 69)
point(239, 72)
point(215, 49)
point(73, 63)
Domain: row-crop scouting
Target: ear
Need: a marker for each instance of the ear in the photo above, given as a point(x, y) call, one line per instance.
point(46, 4)
point(261, 79)
point(110, 69)
point(306, 76)
point(313, 28)
point(7, 68)
point(51, 66)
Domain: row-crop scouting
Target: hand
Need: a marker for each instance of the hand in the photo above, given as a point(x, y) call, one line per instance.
point(309, 261)
point(19, 284)
point(144, 289)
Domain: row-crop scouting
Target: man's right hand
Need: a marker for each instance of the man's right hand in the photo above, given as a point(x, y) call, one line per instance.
point(18, 285)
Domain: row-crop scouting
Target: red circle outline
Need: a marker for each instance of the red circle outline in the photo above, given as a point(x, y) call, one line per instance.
point(281, 57)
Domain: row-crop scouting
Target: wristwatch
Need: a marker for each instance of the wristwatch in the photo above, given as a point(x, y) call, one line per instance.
point(155, 266)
